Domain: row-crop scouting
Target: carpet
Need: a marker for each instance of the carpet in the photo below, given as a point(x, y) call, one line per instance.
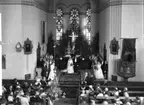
point(66, 101)
point(69, 79)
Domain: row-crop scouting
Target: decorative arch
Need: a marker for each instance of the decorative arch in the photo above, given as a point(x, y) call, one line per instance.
point(67, 8)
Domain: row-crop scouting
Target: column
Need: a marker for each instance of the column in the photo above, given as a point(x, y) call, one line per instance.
point(0, 57)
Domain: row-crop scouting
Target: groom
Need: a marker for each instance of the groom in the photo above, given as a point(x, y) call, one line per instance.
point(74, 62)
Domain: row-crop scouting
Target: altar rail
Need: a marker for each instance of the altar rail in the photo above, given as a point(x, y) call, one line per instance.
point(8, 82)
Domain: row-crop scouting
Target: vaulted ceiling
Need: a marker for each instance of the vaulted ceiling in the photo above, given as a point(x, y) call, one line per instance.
point(96, 5)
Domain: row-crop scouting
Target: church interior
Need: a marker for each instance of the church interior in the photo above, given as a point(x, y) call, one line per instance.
point(71, 52)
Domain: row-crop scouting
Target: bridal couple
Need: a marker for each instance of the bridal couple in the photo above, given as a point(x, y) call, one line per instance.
point(96, 66)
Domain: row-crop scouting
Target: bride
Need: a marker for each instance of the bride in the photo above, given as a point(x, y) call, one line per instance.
point(70, 66)
point(52, 71)
point(97, 70)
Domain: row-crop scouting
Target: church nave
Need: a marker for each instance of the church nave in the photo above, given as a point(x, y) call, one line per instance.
point(71, 52)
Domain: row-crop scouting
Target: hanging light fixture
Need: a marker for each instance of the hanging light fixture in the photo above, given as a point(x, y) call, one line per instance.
point(54, 16)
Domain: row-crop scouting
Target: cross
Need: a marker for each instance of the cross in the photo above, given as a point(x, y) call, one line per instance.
point(73, 36)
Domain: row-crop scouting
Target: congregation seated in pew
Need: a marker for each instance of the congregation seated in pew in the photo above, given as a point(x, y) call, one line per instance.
point(94, 95)
point(36, 92)
point(28, 93)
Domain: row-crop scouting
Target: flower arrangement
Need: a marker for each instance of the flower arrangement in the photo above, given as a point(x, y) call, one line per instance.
point(54, 92)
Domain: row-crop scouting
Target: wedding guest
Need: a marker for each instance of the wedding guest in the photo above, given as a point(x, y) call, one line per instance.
point(44, 70)
point(52, 71)
point(24, 100)
point(118, 101)
point(63, 95)
point(44, 82)
point(105, 69)
point(116, 92)
point(106, 92)
point(97, 70)
point(15, 83)
point(10, 97)
point(91, 80)
point(125, 92)
point(37, 84)
point(25, 87)
point(4, 90)
point(87, 78)
point(98, 89)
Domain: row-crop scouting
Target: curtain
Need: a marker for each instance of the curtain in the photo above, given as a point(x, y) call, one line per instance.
point(4, 61)
point(128, 50)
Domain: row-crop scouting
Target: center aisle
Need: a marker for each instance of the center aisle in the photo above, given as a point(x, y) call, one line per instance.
point(66, 101)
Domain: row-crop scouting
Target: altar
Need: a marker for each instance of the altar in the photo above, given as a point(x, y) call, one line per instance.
point(80, 63)
point(73, 44)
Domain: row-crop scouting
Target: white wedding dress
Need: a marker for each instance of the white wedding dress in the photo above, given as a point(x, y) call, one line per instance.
point(70, 66)
point(52, 71)
point(98, 71)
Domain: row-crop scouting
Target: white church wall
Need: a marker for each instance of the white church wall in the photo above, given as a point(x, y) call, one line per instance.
point(115, 32)
point(11, 34)
point(94, 23)
point(110, 27)
point(0, 54)
point(104, 30)
point(32, 29)
point(20, 22)
point(51, 24)
point(132, 27)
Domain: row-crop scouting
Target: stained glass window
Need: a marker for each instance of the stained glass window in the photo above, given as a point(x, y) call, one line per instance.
point(74, 18)
point(59, 23)
point(87, 29)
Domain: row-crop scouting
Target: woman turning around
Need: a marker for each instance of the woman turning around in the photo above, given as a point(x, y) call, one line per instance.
point(97, 70)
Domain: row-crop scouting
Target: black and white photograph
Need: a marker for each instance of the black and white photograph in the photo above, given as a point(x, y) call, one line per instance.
point(72, 52)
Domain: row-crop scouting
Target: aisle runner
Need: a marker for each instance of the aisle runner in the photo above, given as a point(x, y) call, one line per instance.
point(70, 79)
point(65, 101)
point(69, 84)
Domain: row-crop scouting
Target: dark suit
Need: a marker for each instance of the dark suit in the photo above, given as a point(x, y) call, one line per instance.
point(44, 70)
point(87, 80)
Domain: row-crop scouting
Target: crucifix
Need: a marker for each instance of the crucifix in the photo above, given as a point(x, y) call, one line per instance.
point(73, 36)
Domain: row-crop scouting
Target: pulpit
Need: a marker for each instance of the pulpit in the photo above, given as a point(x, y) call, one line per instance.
point(126, 69)
point(127, 63)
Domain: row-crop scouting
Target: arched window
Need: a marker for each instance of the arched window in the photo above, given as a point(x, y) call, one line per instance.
point(59, 23)
point(87, 25)
point(74, 19)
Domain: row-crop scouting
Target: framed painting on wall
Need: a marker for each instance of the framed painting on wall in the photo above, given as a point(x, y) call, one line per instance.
point(114, 46)
point(28, 46)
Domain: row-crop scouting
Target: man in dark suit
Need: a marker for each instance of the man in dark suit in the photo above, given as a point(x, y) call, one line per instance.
point(44, 70)
point(74, 63)
point(87, 78)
